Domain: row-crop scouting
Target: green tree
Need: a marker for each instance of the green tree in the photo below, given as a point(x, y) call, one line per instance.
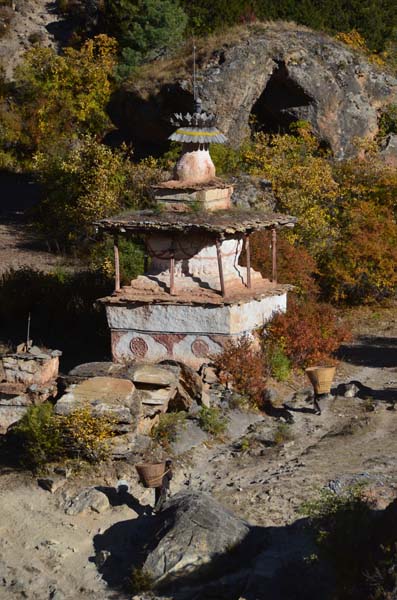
point(83, 182)
point(144, 28)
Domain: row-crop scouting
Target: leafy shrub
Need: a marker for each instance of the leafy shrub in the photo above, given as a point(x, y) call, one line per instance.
point(62, 97)
point(212, 421)
point(85, 435)
point(131, 255)
point(168, 428)
point(86, 182)
point(279, 363)
point(302, 179)
point(342, 524)
point(227, 160)
point(45, 437)
point(355, 40)
point(244, 365)
point(360, 267)
point(82, 184)
point(39, 437)
point(282, 434)
point(139, 581)
point(374, 19)
point(308, 333)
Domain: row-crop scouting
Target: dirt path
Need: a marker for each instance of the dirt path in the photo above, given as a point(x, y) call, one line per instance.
point(17, 249)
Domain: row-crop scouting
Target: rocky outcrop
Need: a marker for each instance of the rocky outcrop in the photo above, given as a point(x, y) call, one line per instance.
point(274, 74)
point(103, 396)
point(133, 396)
point(389, 150)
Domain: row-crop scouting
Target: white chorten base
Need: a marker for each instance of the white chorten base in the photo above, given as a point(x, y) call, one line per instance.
point(185, 332)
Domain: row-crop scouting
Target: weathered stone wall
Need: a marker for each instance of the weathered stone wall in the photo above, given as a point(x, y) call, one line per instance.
point(29, 368)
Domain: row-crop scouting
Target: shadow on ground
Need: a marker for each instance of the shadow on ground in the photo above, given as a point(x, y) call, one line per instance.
point(254, 569)
point(371, 351)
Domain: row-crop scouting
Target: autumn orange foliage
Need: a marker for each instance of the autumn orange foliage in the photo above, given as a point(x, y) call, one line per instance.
point(243, 364)
point(308, 333)
point(294, 263)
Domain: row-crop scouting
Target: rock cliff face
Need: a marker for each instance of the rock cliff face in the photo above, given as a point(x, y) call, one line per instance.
point(275, 75)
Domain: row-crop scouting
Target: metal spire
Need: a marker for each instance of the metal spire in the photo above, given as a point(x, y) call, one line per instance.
point(194, 72)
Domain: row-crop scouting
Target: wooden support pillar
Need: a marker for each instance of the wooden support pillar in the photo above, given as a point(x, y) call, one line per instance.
point(116, 265)
point(220, 267)
point(172, 275)
point(274, 255)
point(248, 257)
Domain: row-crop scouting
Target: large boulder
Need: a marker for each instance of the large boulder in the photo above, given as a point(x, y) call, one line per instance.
point(192, 531)
point(273, 74)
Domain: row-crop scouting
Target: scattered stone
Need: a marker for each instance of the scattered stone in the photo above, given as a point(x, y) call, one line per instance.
point(181, 400)
point(206, 396)
point(209, 375)
point(51, 484)
point(252, 192)
point(87, 499)
point(101, 557)
point(10, 414)
point(157, 397)
point(351, 390)
point(64, 471)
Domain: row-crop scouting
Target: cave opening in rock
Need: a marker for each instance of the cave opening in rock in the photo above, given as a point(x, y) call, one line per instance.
point(282, 102)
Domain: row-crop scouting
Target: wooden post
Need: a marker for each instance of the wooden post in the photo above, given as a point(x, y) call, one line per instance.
point(274, 255)
point(248, 256)
point(172, 275)
point(116, 265)
point(220, 267)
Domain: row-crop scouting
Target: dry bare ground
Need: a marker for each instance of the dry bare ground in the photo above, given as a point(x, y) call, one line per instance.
point(18, 245)
point(33, 21)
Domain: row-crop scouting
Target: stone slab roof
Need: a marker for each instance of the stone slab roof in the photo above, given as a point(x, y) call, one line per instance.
point(226, 223)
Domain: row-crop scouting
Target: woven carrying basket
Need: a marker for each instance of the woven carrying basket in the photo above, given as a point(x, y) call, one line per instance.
point(151, 474)
point(321, 378)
